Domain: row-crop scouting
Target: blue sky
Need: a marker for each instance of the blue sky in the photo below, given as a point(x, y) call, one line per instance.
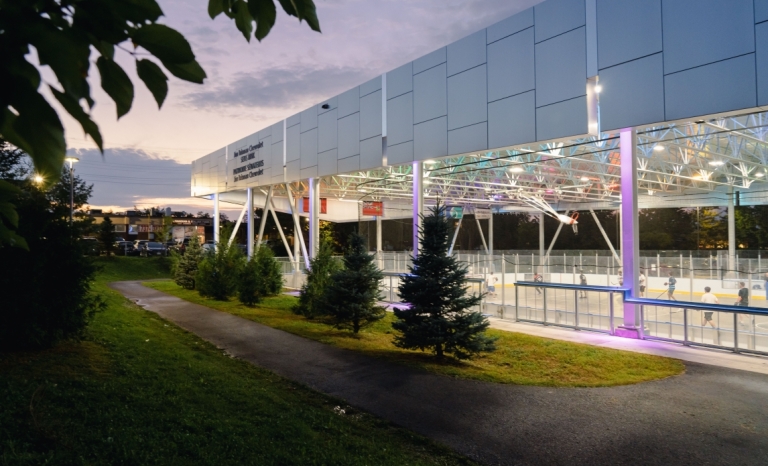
point(251, 86)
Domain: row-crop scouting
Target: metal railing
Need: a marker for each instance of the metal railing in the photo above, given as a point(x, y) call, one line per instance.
point(389, 285)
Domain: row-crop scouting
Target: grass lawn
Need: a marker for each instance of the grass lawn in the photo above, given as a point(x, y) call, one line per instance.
point(141, 391)
point(520, 359)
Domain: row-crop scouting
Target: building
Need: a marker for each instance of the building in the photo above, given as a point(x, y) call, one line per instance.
point(134, 225)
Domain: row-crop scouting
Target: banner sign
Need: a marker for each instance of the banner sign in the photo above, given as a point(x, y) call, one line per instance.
point(323, 205)
point(373, 208)
point(482, 213)
point(454, 212)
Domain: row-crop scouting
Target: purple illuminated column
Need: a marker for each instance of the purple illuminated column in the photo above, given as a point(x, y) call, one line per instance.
point(630, 250)
point(314, 216)
point(418, 203)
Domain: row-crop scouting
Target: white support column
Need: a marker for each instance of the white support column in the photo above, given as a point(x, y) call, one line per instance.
point(490, 234)
point(418, 203)
point(630, 238)
point(731, 233)
point(237, 224)
point(605, 236)
point(378, 233)
point(297, 225)
point(216, 219)
point(482, 236)
point(314, 217)
point(545, 260)
point(249, 206)
point(280, 230)
point(264, 215)
point(541, 240)
point(455, 235)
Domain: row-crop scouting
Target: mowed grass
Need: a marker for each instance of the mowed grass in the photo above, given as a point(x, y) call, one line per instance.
point(142, 391)
point(520, 359)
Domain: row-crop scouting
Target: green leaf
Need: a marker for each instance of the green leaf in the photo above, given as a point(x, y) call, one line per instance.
point(137, 11)
point(165, 43)
point(265, 13)
point(77, 112)
point(243, 19)
point(105, 48)
point(304, 10)
point(191, 71)
point(216, 7)
point(116, 84)
point(154, 78)
point(66, 54)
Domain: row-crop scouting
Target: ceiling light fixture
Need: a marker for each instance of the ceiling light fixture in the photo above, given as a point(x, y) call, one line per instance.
point(717, 163)
point(516, 169)
point(658, 148)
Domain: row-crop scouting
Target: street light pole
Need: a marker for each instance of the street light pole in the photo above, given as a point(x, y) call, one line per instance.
point(71, 161)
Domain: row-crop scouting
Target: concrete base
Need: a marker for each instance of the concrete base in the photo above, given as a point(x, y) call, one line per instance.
point(627, 332)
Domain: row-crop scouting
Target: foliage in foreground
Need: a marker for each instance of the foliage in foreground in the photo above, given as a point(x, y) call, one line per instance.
point(519, 358)
point(439, 318)
point(185, 266)
point(139, 390)
point(107, 236)
point(353, 291)
point(259, 277)
point(218, 271)
point(321, 267)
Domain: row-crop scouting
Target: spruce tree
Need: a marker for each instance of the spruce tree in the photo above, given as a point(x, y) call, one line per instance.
point(248, 289)
point(439, 319)
point(186, 265)
point(269, 272)
point(217, 272)
point(107, 236)
point(318, 276)
point(353, 291)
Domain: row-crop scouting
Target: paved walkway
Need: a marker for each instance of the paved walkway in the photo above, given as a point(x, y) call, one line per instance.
point(707, 416)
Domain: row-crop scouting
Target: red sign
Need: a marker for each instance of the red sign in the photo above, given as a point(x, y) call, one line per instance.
point(373, 208)
point(323, 205)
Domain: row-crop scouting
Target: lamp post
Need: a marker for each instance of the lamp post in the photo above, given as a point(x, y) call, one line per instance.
point(71, 161)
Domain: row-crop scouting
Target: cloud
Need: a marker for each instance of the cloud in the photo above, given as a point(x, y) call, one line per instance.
point(278, 87)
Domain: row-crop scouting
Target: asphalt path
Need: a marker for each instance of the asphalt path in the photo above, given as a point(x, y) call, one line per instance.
point(706, 416)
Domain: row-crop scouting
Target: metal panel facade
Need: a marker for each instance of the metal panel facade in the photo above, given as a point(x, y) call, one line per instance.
point(468, 139)
point(761, 34)
point(627, 30)
point(645, 104)
point(328, 132)
point(349, 136)
point(429, 94)
point(400, 81)
point(399, 119)
point(562, 119)
point(430, 139)
point(561, 68)
point(511, 66)
point(370, 115)
point(466, 53)
point(512, 120)
point(467, 98)
point(509, 26)
point(554, 17)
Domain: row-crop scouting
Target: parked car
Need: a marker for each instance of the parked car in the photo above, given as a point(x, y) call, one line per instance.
point(91, 246)
point(125, 248)
point(151, 248)
point(209, 247)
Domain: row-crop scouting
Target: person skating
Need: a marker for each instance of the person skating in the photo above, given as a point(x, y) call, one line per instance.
point(670, 283)
point(538, 279)
point(641, 283)
point(582, 282)
point(708, 298)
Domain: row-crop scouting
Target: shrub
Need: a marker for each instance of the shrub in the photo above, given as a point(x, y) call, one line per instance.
point(185, 266)
point(107, 236)
point(248, 289)
point(439, 318)
point(269, 272)
point(353, 291)
point(217, 272)
point(318, 276)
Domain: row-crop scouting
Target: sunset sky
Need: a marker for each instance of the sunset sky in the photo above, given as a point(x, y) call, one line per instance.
point(250, 86)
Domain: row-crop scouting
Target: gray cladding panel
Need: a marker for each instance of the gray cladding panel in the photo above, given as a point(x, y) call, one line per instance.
point(561, 68)
point(400, 119)
point(309, 119)
point(644, 104)
point(400, 81)
point(512, 121)
point(719, 87)
point(468, 139)
point(349, 135)
point(349, 102)
point(327, 163)
point(555, 17)
point(309, 172)
point(761, 11)
point(509, 26)
point(327, 136)
point(564, 119)
point(293, 171)
point(761, 34)
point(400, 153)
point(350, 164)
point(429, 61)
point(293, 144)
point(370, 86)
point(370, 115)
point(627, 29)
point(277, 132)
point(466, 53)
point(293, 120)
point(309, 149)
point(467, 98)
point(693, 32)
point(429, 94)
point(332, 104)
point(277, 155)
point(511, 66)
point(430, 139)
point(370, 153)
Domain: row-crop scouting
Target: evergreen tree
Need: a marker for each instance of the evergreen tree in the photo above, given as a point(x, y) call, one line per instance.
point(185, 269)
point(353, 291)
point(269, 272)
point(439, 318)
point(248, 289)
point(217, 272)
point(107, 236)
point(318, 276)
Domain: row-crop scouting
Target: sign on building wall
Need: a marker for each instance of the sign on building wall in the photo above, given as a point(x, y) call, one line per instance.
point(133, 229)
point(373, 208)
point(482, 213)
point(249, 161)
point(454, 212)
point(323, 205)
